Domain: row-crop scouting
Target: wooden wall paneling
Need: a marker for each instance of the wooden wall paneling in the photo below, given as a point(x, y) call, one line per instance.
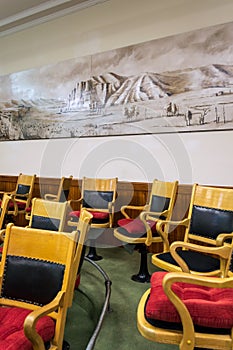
point(8, 183)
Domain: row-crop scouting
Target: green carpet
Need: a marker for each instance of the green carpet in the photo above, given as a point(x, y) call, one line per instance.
point(119, 330)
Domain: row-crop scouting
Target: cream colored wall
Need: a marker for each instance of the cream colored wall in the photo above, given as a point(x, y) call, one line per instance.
point(190, 157)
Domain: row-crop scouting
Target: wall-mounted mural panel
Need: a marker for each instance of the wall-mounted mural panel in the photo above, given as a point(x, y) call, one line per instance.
point(181, 83)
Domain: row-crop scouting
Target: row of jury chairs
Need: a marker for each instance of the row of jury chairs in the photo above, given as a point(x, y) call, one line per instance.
point(190, 300)
point(97, 196)
point(209, 216)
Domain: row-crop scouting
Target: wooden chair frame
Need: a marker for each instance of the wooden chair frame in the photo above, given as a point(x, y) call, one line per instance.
point(221, 247)
point(53, 211)
point(62, 248)
point(159, 188)
point(188, 339)
point(25, 197)
point(63, 190)
point(97, 185)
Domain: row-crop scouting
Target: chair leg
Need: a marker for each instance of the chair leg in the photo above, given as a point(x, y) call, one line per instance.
point(92, 254)
point(143, 275)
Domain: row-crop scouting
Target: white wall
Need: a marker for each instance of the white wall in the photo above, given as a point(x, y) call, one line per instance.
point(190, 157)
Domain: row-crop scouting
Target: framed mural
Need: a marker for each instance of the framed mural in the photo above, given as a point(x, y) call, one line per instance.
point(181, 83)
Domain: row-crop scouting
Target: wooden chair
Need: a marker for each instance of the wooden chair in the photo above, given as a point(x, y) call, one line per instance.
point(141, 231)
point(48, 215)
point(37, 276)
point(3, 212)
point(208, 241)
point(188, 310)
point(22, 195)
point(98, 197)
point(63, 190)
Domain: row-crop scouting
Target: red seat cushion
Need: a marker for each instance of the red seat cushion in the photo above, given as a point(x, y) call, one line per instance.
point(136, 226)
point(21, 206)
point(12, 335)
point(208, 307)
point(77, 282)
point(96, 215)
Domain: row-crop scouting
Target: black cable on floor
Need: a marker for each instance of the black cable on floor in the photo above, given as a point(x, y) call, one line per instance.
point(106, 305)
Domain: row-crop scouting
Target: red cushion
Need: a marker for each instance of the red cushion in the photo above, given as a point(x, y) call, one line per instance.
point(12, 335)
point(20, 205)
point(209, 307)
point(77, 282)
point(136, 226)
point(96, 215)
point(28, 210)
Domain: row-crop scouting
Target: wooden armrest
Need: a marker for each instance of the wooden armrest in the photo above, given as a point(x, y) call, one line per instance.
point(2, 192)
point(25, 195)
point(187, 323)
point(222, 237)
point(160, 223)
point(222, 252)
point(152, 215)
point(76, 200)
point(73, 201)
point(206, 281)
point(134, 207)
point(34, 316)
point(2, 235)
point(16, 210)
point(49, 196)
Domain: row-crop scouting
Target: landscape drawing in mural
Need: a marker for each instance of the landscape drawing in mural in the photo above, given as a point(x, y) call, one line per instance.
point(181, 83)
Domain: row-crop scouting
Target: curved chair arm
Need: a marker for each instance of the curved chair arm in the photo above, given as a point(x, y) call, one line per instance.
point(79, 200)
point(9, 193)
point(161, 223)
point(134, 207)
point(2, 235)
point(222, 237)
point(16, 210)
point(18, 195)
point(188, 339)
point(222, 252)
point(152, 216)
point(34, 316)
point(50, 197)
point(160, 229)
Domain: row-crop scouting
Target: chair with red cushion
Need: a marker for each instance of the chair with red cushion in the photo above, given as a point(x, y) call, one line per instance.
point(37, 276)
point(208, 227)
point(141, 232)
point(22, 195)
point(98, 197)
point(188, 310)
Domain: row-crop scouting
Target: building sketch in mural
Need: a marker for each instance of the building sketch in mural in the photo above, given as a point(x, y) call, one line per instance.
point(181, 83)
